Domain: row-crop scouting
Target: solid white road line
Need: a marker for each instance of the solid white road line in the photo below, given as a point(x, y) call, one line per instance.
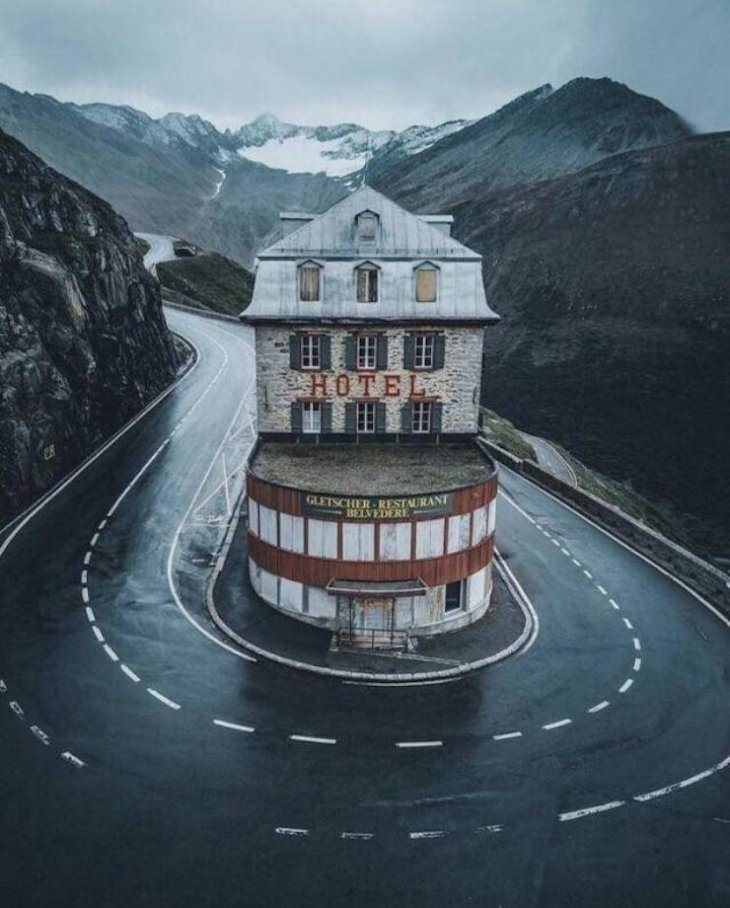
point(407, 744)
point(162, 698)
point(587, 811)
point(129, 673)
point(308, 739)
point(233, 726)
point(110, 652)
point(599, 706)
point(98, 634)
point(507, 735)
point(685, 783)
point(558, 724)
point(626, 685)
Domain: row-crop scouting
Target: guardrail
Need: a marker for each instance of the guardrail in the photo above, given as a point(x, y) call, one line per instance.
point(702, 577)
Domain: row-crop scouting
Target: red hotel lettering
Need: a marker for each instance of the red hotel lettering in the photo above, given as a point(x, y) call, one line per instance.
point(392, 386)
point(366, 382)
point(319, 382)
point(343, 385)
point(414, 392)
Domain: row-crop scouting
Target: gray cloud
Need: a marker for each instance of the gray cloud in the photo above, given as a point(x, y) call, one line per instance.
point(387, 63)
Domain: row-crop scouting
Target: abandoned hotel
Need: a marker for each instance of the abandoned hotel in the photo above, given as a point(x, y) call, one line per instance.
point(371, 505)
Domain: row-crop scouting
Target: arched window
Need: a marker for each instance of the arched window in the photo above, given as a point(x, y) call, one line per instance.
point(427, 276)
point(366, 283)
point(367, 226)
point(310, 282)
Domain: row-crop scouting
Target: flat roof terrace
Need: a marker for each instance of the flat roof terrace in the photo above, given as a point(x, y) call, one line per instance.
point(372, 469)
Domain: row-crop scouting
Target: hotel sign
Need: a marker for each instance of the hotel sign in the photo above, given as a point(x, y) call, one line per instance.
point(339, 507)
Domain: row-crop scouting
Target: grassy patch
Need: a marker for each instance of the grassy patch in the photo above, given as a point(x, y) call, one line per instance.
point(207, 281)
point(499, 430)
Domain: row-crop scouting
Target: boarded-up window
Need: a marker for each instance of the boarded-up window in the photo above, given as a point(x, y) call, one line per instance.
point(367, 284)
point(309, 283)
point(367, 225)
point(426, 284)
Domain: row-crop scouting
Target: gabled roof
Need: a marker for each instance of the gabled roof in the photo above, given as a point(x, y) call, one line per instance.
point(400, 233)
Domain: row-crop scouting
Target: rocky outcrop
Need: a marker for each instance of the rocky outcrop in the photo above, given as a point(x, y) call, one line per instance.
point(83, 341)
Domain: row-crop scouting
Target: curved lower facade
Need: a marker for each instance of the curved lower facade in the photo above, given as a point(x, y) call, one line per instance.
point(413, 557)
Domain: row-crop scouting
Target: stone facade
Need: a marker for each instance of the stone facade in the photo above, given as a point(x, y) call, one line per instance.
point(456, 385)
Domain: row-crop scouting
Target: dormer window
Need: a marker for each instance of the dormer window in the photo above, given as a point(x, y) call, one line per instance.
point(366, 282)
point(367, 226)
point(426, 283)
point(310, 282)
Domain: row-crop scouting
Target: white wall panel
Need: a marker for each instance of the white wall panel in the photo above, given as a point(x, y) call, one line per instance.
point(322, 538)
point(320, 603)
point(269, 586)
point(492, 517)
point(358, 541)
point(476, 588)
point(267, 525)
point(459, 532)
point(253, 516)
point(430, 538)
point(290, 594)
point(395, 541)
point(291, 531)
point(479, 525)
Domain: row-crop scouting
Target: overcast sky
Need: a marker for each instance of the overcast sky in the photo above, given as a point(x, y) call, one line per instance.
point(382, 63)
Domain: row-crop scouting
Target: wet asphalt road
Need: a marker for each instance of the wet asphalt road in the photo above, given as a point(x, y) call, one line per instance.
point(624, 694)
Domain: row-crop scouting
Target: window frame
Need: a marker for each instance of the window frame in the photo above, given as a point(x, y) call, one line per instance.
point(370, 269)
point(435, 270)
point(372, 341)
point(309, 266)
point(370, 217)
point(421, 415)
point(311, 340)
point(459, 607)
point(369, 409)
point(425, 339)
point(311, 407)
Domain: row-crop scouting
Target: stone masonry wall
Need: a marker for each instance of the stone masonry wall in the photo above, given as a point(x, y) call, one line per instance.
point(455, 386)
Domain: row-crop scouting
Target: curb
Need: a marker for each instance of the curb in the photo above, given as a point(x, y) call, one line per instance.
point(525, 639)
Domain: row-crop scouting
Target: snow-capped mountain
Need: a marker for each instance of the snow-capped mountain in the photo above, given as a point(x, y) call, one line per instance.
point(337, 150)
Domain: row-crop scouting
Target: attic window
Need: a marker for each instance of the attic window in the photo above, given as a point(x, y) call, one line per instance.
point(426, 283)
point(309, 282)
point(367, 225)
point(367, 283)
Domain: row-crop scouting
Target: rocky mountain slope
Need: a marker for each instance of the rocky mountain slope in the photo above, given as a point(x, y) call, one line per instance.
point(542, 134)
point(83, 342)
point(180, 175)
point(614, 288)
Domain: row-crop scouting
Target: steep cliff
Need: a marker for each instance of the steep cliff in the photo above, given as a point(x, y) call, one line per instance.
point(83, 342)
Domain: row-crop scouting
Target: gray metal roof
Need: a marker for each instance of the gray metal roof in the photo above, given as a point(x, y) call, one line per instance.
point(400, 233)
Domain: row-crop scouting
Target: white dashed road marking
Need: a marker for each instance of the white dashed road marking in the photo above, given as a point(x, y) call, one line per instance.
point(599, 706)
point(98, 634)
point(406, 744)
point(587, 811)
point(110, 652)
point(637, 644)
point(72, 759)
point(637, 664)
point(626, 685)
point(291, 830)
point(506, 735)
point(307, 739)
point(558, 724)
point(162, 698)
point(428, 834)
point(129, 673)
point(364, 836)
point(234, 726)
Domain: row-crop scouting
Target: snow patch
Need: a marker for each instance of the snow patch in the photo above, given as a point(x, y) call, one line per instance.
point(301, 154)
